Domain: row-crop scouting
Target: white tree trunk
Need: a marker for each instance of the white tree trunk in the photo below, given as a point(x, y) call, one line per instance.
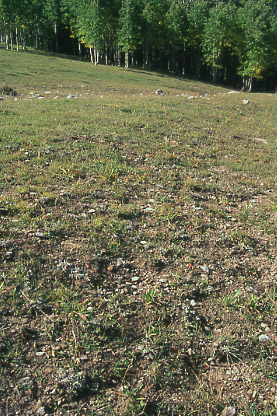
point(127, 58)
point(95, 54)
point(17, 39)
point(91, 55)
point(247, 83)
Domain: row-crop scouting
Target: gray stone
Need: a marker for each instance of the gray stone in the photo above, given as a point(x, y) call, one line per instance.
point(40, 234)
point(264, 339)
point(149, 209)
point(259, 139)
point(120, 262)
point(160, 92)
point(41, 411)
point(205, 269)
point(229, 411)
point(26, 382)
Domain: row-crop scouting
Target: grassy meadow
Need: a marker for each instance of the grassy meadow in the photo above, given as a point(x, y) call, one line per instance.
point(137, 243)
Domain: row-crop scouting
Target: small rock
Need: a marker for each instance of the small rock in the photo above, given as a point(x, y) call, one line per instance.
point(74, 384)
point(264, 339)
point(229, 411)
point(40, 234)
point(9, 255)
point(112, 268)
point(41, 411)
point(259, 139)
point(160, 92)
point(120, 263)
point(26, 382)
point(205, 269)
point(149, 209)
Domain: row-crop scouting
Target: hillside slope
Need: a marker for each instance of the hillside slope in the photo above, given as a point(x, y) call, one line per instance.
point(137, 238)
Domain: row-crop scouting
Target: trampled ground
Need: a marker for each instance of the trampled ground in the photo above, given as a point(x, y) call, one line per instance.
point(137, 238)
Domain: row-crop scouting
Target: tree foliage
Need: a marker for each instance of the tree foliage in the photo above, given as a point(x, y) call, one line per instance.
point(219, 40)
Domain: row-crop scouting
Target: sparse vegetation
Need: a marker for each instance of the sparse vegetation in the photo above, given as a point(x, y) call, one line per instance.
point(137, 243)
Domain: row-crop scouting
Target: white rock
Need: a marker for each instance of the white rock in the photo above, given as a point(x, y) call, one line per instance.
point(264, 339)
point(259, 139)
point(41, 411)
point(205, 269)
point(149, 209)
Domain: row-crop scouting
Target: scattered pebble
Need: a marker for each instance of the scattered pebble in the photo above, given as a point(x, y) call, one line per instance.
point(229, 411)
point(205, 269)
point(120, 263)
point(264, 339)
point(26, 382)
point(40, 234)
point(259, 139)
point(149, 209)
point(160, 92)
point(41, 411)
